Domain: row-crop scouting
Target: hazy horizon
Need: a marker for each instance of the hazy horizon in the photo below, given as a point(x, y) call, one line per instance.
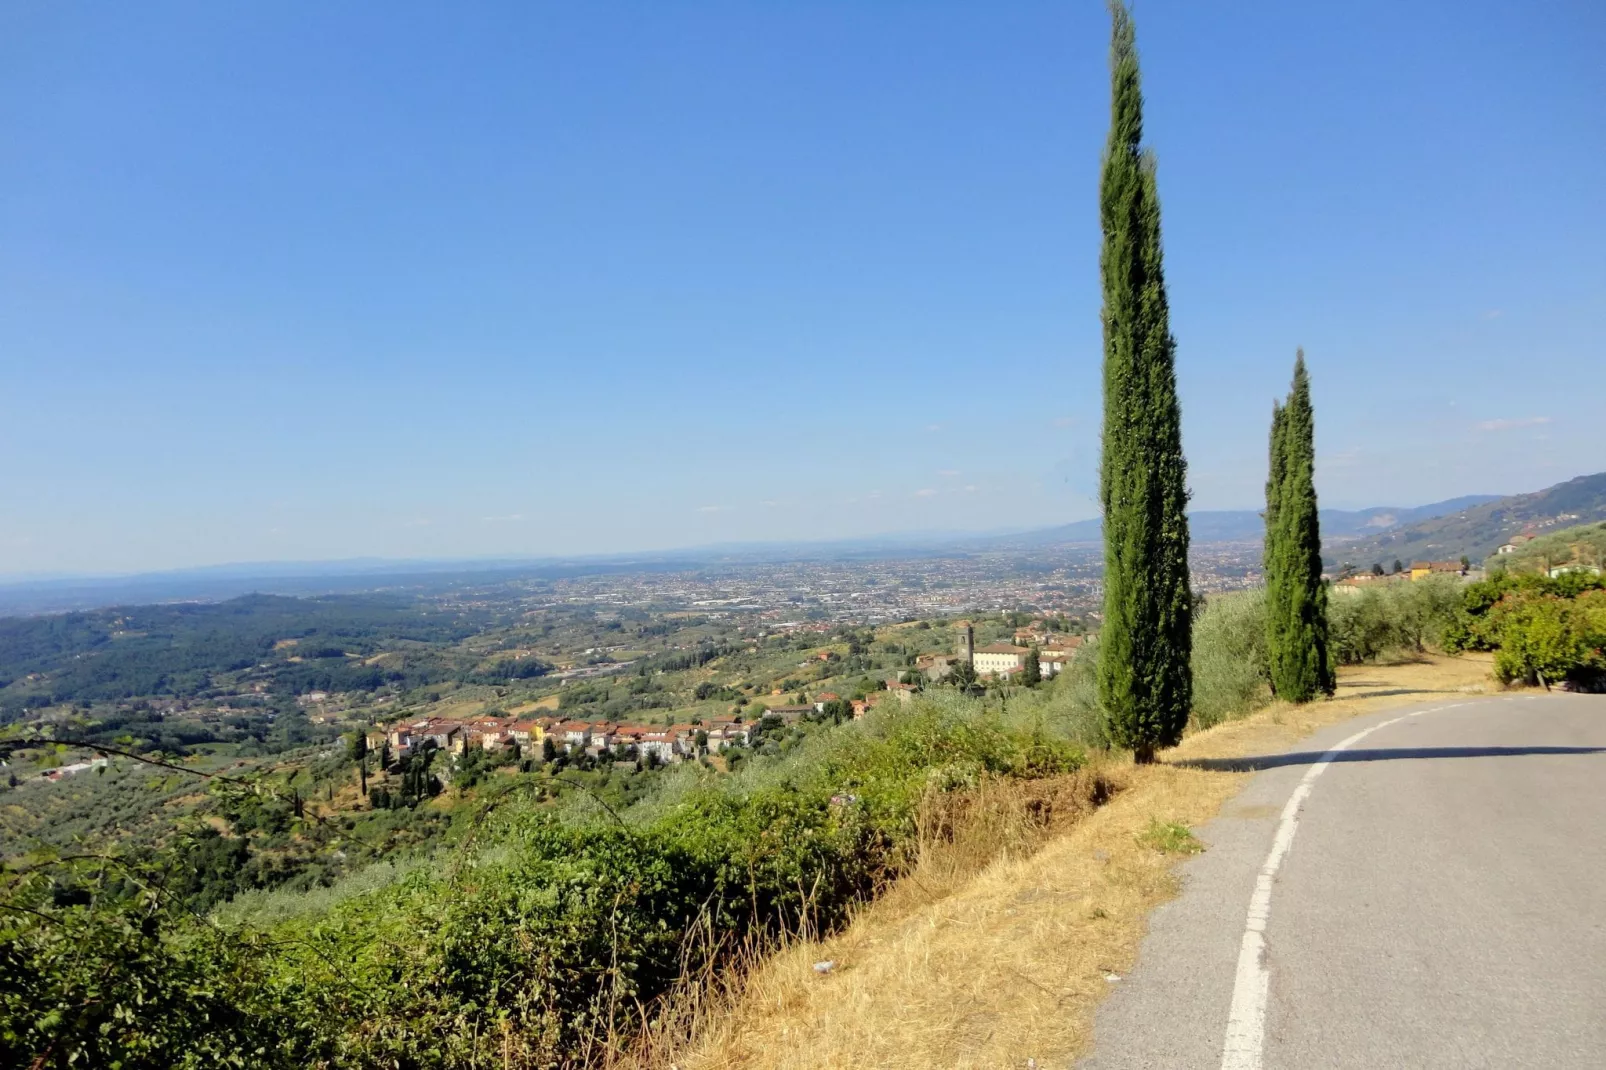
point(379, 564)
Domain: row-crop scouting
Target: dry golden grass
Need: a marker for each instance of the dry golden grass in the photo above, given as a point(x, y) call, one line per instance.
point(550, 702)
point(459, 709)
point(996, 948)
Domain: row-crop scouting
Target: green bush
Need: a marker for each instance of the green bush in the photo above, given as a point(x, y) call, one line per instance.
point(1230, 662)
point(552, 931)
point(1542, 628)
point(1398, 616)
point(102, 979)
point(1546, 638)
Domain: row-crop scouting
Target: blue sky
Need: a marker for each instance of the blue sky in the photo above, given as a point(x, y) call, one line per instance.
point(317, 281)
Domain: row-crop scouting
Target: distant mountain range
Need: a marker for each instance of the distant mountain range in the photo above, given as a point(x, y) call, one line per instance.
point(1479, 529)
point(1474, 525)
point(1245, 525)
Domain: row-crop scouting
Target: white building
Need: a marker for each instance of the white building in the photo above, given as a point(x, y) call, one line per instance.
point(722, 734)
point(1000, 659)
point(574, 734)
point(1053, 664)
point(660, 745)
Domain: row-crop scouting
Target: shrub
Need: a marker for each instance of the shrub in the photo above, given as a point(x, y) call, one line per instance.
point(552, 929)
point(1544, 638)
point(1359, 627)
point(1542, 628)
point(103, 981)
point(1398, 616)
point(1230, 663)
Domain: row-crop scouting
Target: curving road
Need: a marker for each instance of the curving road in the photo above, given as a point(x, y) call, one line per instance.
point(1432, 894)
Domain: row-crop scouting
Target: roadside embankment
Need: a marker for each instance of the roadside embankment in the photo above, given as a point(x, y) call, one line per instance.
point(999, 945)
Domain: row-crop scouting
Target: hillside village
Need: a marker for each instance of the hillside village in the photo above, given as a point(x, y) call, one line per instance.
point(1549, 545)
point(1035, 648)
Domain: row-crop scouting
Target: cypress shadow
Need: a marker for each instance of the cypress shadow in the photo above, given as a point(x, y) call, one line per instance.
point(1255, 763)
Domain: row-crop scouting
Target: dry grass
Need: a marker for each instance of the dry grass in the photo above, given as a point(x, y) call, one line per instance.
point(460, 709)
point(996, 949)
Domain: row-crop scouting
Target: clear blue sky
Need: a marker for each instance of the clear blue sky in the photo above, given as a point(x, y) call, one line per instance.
point(285, 281)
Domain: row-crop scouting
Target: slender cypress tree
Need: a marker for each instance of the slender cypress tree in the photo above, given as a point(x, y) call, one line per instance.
point(1274, 482)
point(1272, 557)
point(1145, 687)
point(1296, 597)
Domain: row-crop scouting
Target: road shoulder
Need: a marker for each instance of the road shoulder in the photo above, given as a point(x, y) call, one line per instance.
point(1009, 968)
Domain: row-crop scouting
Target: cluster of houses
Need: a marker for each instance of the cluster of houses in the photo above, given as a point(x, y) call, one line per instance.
point(669, 743)
point(678, 742)
point(1418, 570)
point(666, 743)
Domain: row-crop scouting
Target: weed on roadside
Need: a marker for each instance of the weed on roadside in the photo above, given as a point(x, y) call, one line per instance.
point(1171, 837)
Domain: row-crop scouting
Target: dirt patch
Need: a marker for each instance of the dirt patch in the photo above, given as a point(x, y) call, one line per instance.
point(550, 702)
point(1002, 942)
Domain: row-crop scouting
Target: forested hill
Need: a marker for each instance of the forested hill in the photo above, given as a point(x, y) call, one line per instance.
point(296, 644)
point(1478, 530)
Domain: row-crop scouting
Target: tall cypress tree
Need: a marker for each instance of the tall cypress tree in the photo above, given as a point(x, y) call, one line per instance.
point(1144, 682)
point(1296, 597)
point(1273, 557)
point(1274, 482)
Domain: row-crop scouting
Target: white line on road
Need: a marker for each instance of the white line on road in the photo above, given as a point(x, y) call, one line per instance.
point(1246, 1022)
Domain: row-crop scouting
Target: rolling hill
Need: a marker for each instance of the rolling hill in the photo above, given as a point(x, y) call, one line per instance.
point(1245, 525)
point(1477, 530)
point(1583, 544)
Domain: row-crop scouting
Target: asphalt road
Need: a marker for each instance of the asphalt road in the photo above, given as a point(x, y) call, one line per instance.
point(1435, 898)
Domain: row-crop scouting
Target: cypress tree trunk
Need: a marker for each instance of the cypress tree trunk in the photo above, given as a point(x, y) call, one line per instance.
point(1144, 683)
point(1296, 597)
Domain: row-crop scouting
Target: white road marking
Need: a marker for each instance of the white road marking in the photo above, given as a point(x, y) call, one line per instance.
point(1246, 1022)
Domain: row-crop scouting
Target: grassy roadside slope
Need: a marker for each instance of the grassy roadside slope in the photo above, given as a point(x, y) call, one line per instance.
point(996, 951)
